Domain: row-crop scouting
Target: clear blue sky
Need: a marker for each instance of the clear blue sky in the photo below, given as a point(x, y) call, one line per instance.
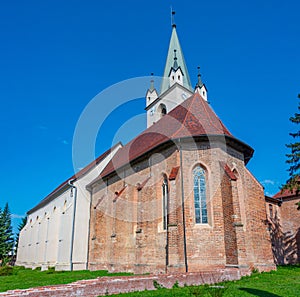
point(55, 56)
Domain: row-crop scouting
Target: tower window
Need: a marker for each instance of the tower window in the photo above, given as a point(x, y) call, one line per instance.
point(162, 110)
point(173, 77)
point(200, 195)
point(178, 77)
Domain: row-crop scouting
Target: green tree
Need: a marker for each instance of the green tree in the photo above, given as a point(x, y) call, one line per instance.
point(6, 235)
point(293, 158)
point(20, 227)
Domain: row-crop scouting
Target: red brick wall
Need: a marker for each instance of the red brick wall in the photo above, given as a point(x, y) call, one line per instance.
point(284, 225)
point(127, 229)
point(229, 227)
point(258, 240)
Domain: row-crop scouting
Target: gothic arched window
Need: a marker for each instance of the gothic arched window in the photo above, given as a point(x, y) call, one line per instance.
point(165, 193)
point(200, 202)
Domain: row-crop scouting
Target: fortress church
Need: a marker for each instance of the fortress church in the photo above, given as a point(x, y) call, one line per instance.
point(177, 198)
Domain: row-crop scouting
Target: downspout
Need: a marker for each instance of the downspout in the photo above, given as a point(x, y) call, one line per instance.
point(70, 183)
point(167, 229)
point(183, 211)
point(89, 232)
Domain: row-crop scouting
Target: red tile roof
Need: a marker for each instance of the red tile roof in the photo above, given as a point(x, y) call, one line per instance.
point(285, 193)
point(228, 171)
point(79, 174)
point(174, 173)
point(194, 117)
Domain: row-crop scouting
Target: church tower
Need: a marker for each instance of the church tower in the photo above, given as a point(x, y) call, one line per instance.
point(176, 85)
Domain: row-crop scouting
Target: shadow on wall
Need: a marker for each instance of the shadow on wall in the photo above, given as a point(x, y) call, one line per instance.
point(285, 245)
point(261, 293)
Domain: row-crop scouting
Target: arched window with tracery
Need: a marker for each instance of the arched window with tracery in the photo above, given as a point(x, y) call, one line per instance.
point(200, 201)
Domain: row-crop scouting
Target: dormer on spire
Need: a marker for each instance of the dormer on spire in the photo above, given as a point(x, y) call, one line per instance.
point(176, 74)
point(200, 86)
point(179, 62)
point(175, 65)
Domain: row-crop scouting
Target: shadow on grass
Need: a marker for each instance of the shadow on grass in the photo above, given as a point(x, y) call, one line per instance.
point(259, 293)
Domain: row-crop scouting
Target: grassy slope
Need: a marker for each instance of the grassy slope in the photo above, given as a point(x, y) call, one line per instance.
point(27, 278)
point(285, 282)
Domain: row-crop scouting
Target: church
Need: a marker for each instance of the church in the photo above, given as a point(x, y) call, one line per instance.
point(177, 198)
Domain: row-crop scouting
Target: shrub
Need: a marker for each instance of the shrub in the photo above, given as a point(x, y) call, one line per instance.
point(6, 270)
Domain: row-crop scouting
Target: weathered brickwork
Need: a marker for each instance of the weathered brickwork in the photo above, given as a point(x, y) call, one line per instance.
point(259, 253)
point(284, 227)
point(127, 225)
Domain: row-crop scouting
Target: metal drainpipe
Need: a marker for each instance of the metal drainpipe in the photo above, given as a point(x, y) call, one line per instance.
point(167, 229)
point(183, 212)
point(70, 183)
point(89, 232)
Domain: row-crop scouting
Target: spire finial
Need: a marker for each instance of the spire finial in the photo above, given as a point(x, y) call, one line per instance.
point(173, 18)
point(151, 83)
point(199, 83)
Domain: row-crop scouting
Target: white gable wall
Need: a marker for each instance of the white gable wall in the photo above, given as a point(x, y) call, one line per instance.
point(46, 240)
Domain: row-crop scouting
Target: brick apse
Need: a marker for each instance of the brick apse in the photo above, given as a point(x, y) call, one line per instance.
point(179, 198)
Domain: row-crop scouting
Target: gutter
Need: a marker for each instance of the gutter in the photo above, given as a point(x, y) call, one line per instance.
point(274, 200)
point(70, 183)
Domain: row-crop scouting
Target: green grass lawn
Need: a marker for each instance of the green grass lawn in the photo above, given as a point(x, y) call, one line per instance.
point(27, 278)
point(284, 282)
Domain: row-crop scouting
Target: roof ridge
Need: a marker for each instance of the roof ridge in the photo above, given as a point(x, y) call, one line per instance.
point(205, 109)
point(75, 176)
point(185, 117)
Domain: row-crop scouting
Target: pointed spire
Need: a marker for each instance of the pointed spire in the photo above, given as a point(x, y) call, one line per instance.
point(199, 83)
point(175, 45)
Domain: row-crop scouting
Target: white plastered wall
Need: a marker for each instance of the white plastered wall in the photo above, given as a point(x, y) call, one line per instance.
point(46, 239)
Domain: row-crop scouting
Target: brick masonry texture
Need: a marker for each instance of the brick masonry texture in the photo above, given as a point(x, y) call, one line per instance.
point(284, 222)
point(114, 285)
point(127, 225)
